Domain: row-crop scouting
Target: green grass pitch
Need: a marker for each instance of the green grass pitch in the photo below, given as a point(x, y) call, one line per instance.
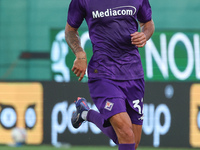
point(48, 147)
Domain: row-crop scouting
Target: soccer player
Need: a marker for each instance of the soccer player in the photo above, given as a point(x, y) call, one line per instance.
point(115, 73)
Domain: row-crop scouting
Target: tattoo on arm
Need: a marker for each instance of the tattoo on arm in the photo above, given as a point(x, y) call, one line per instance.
point(81, 58)
point(73, 40)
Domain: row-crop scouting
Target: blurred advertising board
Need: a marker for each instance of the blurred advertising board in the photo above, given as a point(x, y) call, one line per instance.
point(21, 105)
point(167, 56)
point(171, 114)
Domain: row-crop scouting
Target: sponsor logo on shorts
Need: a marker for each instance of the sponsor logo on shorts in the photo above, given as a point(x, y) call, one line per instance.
point(141, 118)
point(109, 105)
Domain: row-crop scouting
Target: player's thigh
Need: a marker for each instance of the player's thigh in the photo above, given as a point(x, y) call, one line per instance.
point(137, 130)
point(122, 125)
point(121, 119)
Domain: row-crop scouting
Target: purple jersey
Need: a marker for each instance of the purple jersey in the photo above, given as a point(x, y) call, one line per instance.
point(110, 24)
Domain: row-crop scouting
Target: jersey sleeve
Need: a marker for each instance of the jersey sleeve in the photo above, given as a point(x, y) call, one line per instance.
point(144, 14)
point(76, 13)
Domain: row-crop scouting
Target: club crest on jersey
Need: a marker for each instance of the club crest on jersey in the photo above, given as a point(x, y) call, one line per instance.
point(109, 105)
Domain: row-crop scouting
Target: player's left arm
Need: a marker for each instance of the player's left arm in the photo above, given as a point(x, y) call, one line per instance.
point(140, 38)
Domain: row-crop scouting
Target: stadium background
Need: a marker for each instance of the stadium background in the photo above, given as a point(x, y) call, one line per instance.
point(35, 75)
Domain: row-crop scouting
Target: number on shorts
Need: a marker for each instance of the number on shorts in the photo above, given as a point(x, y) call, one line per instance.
point(136, 105)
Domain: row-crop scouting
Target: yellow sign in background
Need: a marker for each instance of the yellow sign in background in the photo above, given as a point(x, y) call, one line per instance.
point(21, 96)
point(194, 111)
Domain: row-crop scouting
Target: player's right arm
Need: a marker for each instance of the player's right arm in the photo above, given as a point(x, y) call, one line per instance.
point(73, 40)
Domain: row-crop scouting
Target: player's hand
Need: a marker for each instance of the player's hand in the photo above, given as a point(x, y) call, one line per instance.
point(80, 65)
point(138, 39)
